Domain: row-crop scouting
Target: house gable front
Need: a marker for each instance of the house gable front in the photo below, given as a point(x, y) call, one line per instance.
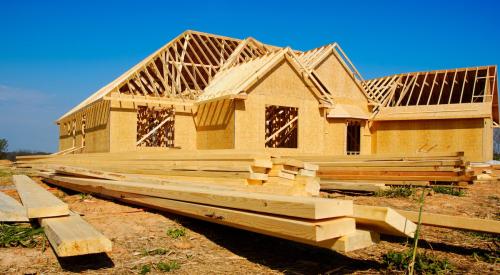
point(281, 86)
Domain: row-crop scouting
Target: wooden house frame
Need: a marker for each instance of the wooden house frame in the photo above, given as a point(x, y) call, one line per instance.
point(202, 91)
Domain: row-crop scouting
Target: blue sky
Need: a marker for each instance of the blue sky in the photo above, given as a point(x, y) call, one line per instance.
point(53, 54)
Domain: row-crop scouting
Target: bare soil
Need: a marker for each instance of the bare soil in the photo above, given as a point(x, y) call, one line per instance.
point(213, 249)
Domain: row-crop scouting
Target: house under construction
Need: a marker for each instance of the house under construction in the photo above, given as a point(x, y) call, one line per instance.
point(202, 91)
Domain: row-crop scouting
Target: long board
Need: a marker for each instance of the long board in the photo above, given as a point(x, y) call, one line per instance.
point(454, 222)
point(73, 236)
point(37, 201)
point(11, 210)
point(301, 207)
point(288, 228)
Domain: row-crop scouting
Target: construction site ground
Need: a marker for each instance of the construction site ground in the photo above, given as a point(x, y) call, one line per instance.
point(197, 247)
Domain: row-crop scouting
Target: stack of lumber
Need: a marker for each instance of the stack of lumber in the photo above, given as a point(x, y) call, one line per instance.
point(375, 172)
point(5, 163)
point(245, 171)
point(328, 223)
point(485, 172)
point(67, 232)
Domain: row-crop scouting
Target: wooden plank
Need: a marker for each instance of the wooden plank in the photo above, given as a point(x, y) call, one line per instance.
point(397, 178)
point(37, 201)
point(11, 210)
point(303, 207)
point(384, 220)
point(353, 186)
point(73, 236)
point(288, 228)
point(454, 222)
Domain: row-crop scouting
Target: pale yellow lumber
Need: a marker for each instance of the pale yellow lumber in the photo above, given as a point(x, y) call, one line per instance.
point(384, 220)
point(354, 241)
point(299, 230)
point(303, 207)
point(37, 201)
point(258, 176)
point(11, 210)
point(353, 186)
point(455, 222)
point(265, 163)
point(308, 173)
point(73, 236)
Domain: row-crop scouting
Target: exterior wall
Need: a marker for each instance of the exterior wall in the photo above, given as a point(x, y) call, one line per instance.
point(96, 129)
point(215, 125)
point(123, 129)
point(284, 87)
point(473, 136)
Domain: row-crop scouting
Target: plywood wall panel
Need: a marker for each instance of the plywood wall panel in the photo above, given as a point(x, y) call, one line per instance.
point(446, 135)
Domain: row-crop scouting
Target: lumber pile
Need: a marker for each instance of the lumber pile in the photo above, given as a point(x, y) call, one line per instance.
point(374, 172)
point(321, 222)
point(67, 232)
point(244, 171)
point(485, 172)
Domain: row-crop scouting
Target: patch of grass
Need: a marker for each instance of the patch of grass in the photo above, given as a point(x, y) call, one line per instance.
point(449, 191)
point(491, 257)
point(85, 196)
point(153, 252)
point(20, 235)
point(484, 236)
point(397, 192)
point(167, 267)
point(175, 233)
point(145, 269)
point(424, 263)
point(5, 172)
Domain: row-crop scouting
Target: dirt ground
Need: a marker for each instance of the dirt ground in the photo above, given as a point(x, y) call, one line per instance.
point(213, 249)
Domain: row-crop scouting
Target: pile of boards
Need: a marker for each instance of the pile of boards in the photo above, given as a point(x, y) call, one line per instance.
point(268, 195)
point(373, 173)
point(67, 232)
point(243, 171)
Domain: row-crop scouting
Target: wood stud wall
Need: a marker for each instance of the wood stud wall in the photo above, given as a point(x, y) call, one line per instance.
point(155, 127)
point(281, 127)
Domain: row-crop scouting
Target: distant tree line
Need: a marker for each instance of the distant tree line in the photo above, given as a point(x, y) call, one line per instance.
point(4, 154)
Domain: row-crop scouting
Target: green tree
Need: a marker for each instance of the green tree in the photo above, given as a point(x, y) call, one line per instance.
point(3, 147)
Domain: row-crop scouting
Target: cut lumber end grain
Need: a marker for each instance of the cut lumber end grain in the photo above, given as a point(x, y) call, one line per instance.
point(73, 236)
point(11, 210)
point(258, 176)
point(358, 240)
point(37, 201)
point(264, 163)
point(384, 220)
point(308, 173)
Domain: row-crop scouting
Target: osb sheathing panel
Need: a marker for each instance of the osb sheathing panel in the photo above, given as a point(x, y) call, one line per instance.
point(284, 87)
point(450, 135)
point(123, 131)
point(96, 129)
point(340, 83)
point(215, 125)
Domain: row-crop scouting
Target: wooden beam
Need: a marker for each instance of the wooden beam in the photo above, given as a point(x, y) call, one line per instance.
point(299, 230)
point(454, 222)
point(11, 210)
point(384, 220)
point(301, 207)
point(37, 201)
point(73, 236)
